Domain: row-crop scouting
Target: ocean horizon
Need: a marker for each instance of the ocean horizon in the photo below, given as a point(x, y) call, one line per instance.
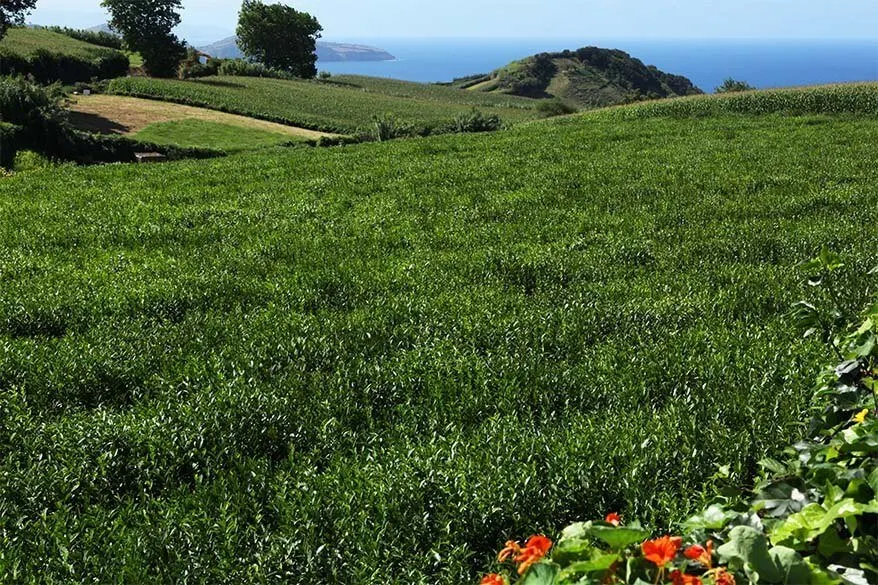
point(764, 63)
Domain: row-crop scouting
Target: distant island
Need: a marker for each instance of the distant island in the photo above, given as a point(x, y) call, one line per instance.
point(590, 77)
point(327, 52)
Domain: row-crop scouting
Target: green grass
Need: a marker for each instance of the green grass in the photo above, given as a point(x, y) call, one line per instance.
point(212, 135)
point(328, 106)
point(26, 42)
point(375, 364)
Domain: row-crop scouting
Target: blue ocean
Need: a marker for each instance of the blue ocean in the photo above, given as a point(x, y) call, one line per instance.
point(762, 63)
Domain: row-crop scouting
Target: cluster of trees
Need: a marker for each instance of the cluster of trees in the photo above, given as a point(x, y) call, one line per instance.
point(278, 36)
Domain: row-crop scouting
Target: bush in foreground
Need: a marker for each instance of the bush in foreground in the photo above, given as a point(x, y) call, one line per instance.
point(813, 518)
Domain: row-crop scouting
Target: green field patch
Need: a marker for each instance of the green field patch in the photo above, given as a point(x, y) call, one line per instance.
point(212, 135)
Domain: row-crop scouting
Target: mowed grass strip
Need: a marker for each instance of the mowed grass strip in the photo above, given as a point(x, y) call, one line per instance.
point(326, 106)
point(204, 134)
point(127, 115)
point(376, 364)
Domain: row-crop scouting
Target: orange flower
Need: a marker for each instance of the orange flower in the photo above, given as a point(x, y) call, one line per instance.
point(493, 579)
point(511, 548)
point(661, 551)
point(723, 577)
point(534, 550)
point(613, 519)
point(701, 554)
point(679, 578)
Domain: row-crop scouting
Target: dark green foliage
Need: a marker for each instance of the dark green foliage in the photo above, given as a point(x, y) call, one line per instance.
point(47, 67)
point(549, 108)
point(94, 37)
point(375, 364)
point(476, 121)
point(733, 85)
point(193, 68)
point(146, 27)
point(12, 13)
point(242, 68)
point(279, 37)
point(9, 144)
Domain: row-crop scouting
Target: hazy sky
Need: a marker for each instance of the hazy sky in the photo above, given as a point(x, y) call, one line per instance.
point(532, 18)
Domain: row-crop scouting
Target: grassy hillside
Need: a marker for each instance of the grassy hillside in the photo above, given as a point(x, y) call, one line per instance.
point(375, 364)
point(344, 107)
point(28, 41)
point(589, 77)
point(51, 56)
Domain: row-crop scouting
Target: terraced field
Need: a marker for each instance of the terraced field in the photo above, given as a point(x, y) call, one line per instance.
point(343, 106)
point(375, 364)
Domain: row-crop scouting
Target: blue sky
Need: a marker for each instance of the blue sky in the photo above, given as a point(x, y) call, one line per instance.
point(673, 19)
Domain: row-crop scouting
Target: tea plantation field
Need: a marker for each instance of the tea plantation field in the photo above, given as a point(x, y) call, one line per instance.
point(344, 106)
point(375, 364)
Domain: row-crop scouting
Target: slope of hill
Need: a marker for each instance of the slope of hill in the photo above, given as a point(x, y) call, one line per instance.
point(228, 49)
point(50, 56)
point(588, 77)
point(376, 364)
point(29, 41)
point(343, 106)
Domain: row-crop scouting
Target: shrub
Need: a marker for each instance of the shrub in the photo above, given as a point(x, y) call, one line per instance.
point(813, 518)
point(550, 108)
point(242, 68)
point(733, 85)
point(476, 121)
point(388, 127)
point(325, 75)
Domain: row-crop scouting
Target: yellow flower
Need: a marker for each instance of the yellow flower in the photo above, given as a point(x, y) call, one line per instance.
point(861, 416)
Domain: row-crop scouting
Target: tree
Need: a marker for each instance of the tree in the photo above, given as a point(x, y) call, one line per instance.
point(733, 85)
point(146, 26)
point(12, 13)
point(279, 37)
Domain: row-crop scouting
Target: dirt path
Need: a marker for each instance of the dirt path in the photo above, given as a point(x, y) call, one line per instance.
point(111, 114)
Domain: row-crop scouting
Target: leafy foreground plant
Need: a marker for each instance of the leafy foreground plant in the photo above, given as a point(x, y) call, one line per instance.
point(813, 518)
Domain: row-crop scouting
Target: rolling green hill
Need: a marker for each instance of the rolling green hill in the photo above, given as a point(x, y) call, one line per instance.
point(51, 56)
point(375, 364)
point(345, 105)
point(589, 77)
point(28, 41)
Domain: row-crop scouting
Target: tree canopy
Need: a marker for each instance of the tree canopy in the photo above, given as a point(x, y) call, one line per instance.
point(279, 36)
point(12, 12)
point(146, 26)
point(733, 85)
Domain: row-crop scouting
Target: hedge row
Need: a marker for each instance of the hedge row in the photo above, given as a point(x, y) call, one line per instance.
point(47, 67)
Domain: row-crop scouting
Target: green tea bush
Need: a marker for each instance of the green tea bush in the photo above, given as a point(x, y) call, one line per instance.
point(859, 99)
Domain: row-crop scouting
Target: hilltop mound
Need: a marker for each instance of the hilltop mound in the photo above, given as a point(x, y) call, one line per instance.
point(588, 77)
